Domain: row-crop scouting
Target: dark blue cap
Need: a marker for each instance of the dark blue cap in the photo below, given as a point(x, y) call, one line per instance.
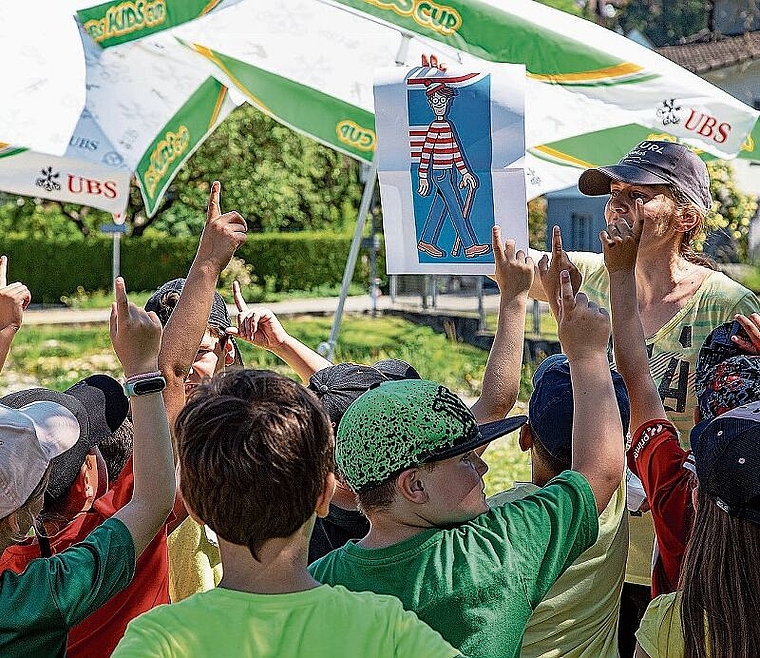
point(550, 410)
point(727, 458)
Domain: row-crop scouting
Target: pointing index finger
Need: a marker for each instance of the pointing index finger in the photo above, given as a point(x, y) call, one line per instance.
point(239, 301)
point(566, 291)
point(556, 240)
point(214, 208)
point(120, 294)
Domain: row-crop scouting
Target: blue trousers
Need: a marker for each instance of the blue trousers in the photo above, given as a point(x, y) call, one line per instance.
point(446, 202)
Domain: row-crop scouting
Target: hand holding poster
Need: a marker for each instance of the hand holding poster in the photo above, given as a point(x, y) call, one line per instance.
point(450, 149)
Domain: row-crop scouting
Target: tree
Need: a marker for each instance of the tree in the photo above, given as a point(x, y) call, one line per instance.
point(277, 179)
point(663, 22)
point(731, 217)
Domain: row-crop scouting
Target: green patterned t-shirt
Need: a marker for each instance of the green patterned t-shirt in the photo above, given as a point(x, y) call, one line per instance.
point(674, 348)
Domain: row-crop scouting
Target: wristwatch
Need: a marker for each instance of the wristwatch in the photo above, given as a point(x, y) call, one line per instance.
point(144, 386)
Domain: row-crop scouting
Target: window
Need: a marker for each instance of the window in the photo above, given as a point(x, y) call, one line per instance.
point(581, 232)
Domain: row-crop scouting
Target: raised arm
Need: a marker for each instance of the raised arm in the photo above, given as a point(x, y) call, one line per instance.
point(598, 445)
point(222, 235)
point(262, 328)
point(136, 338)
point(621, 243)
point(501, 378)
point(14, 299)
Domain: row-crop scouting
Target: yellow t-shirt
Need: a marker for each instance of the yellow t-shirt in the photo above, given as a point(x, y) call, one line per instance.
point(673, 357)
point(578, 617)
point(324, 622)
point(194, 561)
point(660, 633)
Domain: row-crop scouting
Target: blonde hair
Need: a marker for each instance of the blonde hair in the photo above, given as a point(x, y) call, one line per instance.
point(684, 205)
point(18, 534)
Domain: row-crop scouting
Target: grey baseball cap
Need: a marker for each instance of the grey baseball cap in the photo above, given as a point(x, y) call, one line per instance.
point(654, 163)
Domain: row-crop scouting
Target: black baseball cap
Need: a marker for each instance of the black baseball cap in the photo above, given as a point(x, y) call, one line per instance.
point(727, 459)
point(339, 385)
point(100, 407)
point(550, 409)
point(654, 163)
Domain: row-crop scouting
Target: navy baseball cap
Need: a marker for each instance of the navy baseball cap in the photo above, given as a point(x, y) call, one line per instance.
point(654, 163)
point(550, 409)
point(727, 459)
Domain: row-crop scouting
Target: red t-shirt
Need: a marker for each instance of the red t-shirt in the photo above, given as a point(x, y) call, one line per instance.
point(99, 634)
point(666, 471)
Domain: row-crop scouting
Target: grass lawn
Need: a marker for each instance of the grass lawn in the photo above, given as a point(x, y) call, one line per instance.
point(57, 356)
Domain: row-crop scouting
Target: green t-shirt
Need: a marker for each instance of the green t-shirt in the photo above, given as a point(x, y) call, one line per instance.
point(38, 607)
point(321, 622)
point(578, 617)
point(477, 583)
point(674, 348)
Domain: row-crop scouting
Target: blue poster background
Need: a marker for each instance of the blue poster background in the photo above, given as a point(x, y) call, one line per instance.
point(470, 114)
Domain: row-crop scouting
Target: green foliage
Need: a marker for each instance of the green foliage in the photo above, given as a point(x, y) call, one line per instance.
point(732, 209)
point(266, 263)
point(537, 223)
point(664, 22)
point(277, 179)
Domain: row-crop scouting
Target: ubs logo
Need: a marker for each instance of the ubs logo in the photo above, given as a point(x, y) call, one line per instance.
point(49, 180)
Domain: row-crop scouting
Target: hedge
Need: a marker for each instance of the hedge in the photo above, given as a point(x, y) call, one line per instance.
point(286, 261)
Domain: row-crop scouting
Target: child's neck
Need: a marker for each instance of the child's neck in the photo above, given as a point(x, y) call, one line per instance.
point(281, 568)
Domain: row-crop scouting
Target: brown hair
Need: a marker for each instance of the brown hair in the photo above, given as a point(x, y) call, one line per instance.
point(255, 449)
point(720, 580)
point(684, 206)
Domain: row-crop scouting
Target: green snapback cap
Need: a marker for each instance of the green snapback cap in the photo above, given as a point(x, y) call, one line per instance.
point(403, 424)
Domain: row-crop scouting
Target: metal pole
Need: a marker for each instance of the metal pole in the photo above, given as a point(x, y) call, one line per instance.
point(327, 349)
point(116, 258)
point(481, 307)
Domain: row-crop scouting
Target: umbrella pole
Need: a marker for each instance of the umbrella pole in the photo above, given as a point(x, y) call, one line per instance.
point(116, 258)
point(327, 349)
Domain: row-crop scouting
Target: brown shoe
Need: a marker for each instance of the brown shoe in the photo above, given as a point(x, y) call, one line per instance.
point(477, 250)
point(431, 249)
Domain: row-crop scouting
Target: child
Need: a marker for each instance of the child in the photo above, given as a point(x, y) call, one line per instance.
point(578, 617)
point(256, 453)
point(408, 449)
point(39, 606)
point(715, 611)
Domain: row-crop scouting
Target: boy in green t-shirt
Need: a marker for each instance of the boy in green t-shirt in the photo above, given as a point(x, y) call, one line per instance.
point(38, 606)
point(409, 451)
point(255, 455)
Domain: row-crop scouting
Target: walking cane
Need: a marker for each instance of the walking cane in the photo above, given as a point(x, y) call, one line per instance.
point(465, 213)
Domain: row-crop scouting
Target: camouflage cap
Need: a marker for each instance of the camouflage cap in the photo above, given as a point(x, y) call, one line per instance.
point(406, 423)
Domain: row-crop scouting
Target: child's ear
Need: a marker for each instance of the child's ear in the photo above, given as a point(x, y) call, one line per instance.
point(526, 438)
point(411, 486)
point(323, 502)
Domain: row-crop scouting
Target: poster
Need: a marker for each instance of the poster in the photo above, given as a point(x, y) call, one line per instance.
point(450, 151)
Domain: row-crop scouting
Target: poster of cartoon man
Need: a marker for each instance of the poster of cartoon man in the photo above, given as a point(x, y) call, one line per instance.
point(454, 170)
point(440, 158)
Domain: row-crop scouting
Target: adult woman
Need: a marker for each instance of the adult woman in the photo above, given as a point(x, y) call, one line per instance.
point(680, 297)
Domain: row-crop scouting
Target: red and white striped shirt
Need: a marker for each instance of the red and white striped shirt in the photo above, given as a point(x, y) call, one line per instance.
point(441, 149)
